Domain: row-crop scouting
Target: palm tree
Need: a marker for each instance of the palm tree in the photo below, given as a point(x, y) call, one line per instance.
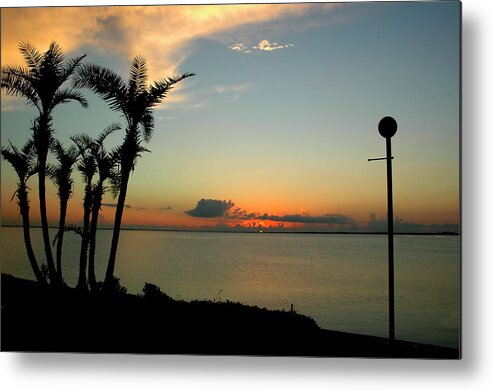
point(61, 175)
point(23, 163)
point(87, 167)
point(135, 101)
point(41, 84)
point(94, 158)
point(106, 171)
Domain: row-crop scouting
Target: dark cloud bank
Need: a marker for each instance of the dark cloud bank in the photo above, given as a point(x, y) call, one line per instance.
point(212, 208)
point(208, 208)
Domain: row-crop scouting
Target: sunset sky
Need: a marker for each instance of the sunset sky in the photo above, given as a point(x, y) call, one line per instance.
point(276, 128)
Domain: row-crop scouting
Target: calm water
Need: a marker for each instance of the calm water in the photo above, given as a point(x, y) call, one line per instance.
point(339, 280)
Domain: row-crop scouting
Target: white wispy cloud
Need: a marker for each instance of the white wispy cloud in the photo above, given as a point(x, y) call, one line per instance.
point(239, 47)
point(200, 98)
point(229, 89)
point(267, 46)
point(263, 45)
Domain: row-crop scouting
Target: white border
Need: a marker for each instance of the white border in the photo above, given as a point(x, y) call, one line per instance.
point(473, 372)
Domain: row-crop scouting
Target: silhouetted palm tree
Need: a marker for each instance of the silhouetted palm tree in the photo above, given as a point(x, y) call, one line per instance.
point(94, 159)
point(61, 175)
point(41, 84)
point(135, 101)
point(87, 167)
point(106, 171)
point(23, 163)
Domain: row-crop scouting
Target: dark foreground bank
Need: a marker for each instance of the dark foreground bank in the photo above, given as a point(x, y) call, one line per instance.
point(37, 318)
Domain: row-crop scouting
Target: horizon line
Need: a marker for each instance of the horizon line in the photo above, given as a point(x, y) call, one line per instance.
point(252, 231)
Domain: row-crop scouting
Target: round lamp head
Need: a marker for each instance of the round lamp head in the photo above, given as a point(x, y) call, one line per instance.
point(387, 127)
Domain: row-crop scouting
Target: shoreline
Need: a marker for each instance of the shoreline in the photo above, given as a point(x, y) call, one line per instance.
point(36, 318)
point(443, 233)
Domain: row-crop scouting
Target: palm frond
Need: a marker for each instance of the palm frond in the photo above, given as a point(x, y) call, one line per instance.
point(106, 163)
point(106, 132)
point(65, 156)
point(72, 153)
point(87, 164)
point(28, 148)
point(9, 155)
point(87, 167)
point(57, 148)
point(17, 81)
point(67, 95)
point(15, 151)
point(41, 81)
point(69, 228)
point(71, 66)
point(14, 194)
point(51, 171)
point(115, 182)
point(138, 76)
point(138, 153)
point(160, 88)
point(103, 82)
point(54, 55)
point(82, 141)
point(20, 162)
point(33, 170)
point(147, 125)
point(50, 74)
point(61, 174)
point(31, 55)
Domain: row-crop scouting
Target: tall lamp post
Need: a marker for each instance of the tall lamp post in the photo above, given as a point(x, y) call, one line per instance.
point(387, 127)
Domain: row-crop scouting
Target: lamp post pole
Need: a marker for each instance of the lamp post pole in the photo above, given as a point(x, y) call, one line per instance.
point(387, 127)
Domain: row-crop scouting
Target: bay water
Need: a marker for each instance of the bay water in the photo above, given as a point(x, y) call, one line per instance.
point(340, 280)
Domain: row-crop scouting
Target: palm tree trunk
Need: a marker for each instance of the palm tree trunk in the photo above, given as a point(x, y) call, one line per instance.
point(42, 150)
point(44, 220)
point(24, 209)
point(61, 232)
point(98, 195)
point(116, 228)
point(82, 282)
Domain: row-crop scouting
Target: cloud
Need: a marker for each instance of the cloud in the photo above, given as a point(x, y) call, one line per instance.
point(241, 214)
point(264, 45)
point(113, 205)
point(267, 46)
point(307, 219)
point(230, 88)
point(239, 47)
point(403, 226)
point(209, 208)
point(200, 98)
point(162, 34)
